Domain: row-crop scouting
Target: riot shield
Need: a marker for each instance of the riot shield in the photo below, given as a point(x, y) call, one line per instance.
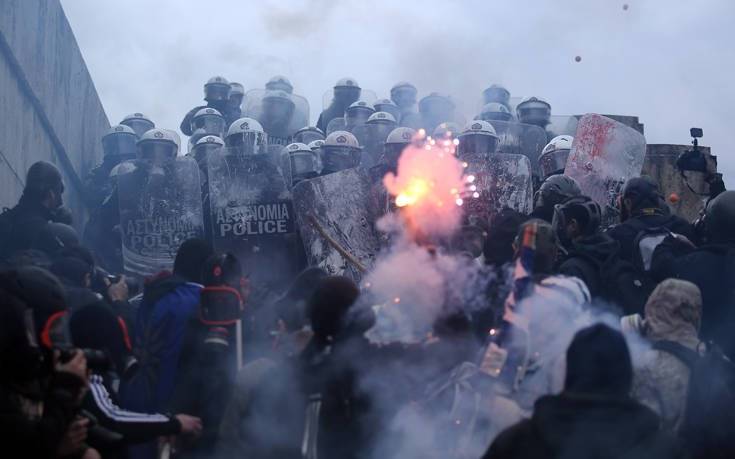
point(562, 125)
point(520, 139)
point(375, 137)
point(160, 208)
point(367, 95)
point(604, 155)
point(253, 108)
point(337, 124)
point(500, 181)
point(252, 216)
point(337, 227)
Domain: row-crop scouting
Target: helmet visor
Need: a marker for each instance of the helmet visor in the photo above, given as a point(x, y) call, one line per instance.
point(553, 162)
point(211, 125)
point(157, 152)
point(304, 164)
point(307, 137)
point(476, 144)
point(340, 158)
point(534, 115)
point(246, 143)
point(216, 92)
point(119, 145)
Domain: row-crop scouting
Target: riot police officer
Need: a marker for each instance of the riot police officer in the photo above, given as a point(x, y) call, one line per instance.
point(278, 110)
point(279, 83)
point(346, 92)
point(477, 139)
point(388, 106)
point(246, 137)
point(435, 109)
point(206, 146)
point(118, 145)
point(340, 151)
point(404, 95)
point(357, 114)
point(139, 123)
point(299, 162)
point(554, 156)
point(234, 101)
point(379, 126)
point(396, 142)
point(447, 130)
point(216, 93)
point(308, 134)
point(497, 94)
point(206, 122)
point(535, 111)
point(495, 111)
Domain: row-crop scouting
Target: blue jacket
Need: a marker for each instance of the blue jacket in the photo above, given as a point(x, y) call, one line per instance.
point(168, 304)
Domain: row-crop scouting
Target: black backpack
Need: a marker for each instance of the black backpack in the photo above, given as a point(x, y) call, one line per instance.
point(709, 422)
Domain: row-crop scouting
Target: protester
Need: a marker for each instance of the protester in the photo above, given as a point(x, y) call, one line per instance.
point(594, 415)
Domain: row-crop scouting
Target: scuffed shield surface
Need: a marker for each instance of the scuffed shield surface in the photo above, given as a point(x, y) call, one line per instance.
point(501, 180)
point(252, 216)
point(332, 211)
point(604, 155)
point(160, 208)
point(521, 139)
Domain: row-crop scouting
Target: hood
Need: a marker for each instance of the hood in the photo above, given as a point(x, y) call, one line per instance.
point(160, 286)
point(674, 313)
point(579, 423)
point(598, 246)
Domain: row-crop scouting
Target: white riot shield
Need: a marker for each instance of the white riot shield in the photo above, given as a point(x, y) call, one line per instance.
point(604, 155)
point(520, 139)
point(160, 208)
point(253, 108)
point(500, 181)
point(337, 226)
point(252, 216)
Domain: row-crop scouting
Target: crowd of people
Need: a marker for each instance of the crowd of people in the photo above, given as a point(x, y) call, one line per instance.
point(584, 340)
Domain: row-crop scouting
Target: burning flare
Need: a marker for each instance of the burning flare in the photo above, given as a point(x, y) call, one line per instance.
point(429, 187)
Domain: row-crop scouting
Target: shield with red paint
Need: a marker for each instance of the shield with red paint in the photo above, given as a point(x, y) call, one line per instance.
point(497, 181)
point(604, 155)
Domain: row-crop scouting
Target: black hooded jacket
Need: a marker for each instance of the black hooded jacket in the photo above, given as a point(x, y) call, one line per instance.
point(574, 426)
point(586, 259)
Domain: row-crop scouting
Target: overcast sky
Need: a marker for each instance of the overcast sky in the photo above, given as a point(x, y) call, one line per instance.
point(668, 62)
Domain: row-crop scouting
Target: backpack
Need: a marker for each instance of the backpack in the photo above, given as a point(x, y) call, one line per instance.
point(709, 422)
point(645, 244)
point(621, 283)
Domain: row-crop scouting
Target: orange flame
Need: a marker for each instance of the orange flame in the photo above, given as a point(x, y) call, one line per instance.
point(427, 187)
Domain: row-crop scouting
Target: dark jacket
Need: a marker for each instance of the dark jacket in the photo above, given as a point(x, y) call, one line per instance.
point(625, 233)
point(168, 303)
point(330, 113)
point(586, 258)
point(25, 434)
point(576, 426)
point(712, 269)
point(22, 225)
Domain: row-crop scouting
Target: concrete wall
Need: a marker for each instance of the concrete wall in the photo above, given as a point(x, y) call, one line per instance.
point(660, 164)
point(49, 106)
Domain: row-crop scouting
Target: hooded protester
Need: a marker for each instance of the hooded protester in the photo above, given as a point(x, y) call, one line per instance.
point(169, 301)
point(593, 416)
point(21, 226)
point(673, 313)
point(710, 267)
